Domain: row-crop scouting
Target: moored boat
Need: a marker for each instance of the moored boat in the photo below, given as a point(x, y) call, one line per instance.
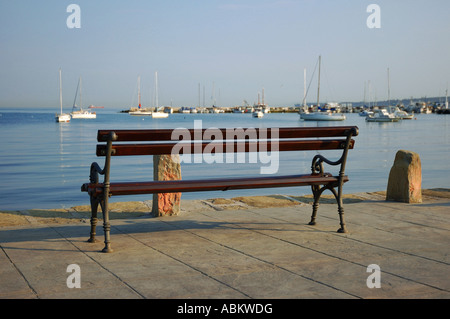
point(61, 117)
point(81, 114)
point(258, 113)
point(322, 116)
point(325, 115)
point(382, 115)
point(402, 115)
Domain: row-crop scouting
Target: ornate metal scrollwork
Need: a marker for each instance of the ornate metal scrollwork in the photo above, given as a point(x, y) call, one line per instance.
point(317, 163)
point(95, 171)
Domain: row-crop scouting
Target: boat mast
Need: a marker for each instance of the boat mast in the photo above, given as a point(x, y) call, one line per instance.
point(262, 96)
point(156, 90)
point(446, 99)
point(318, 84)
point(304, 89)
point(76, 94)
point(60, 90)
point(139, 91)
point(389, 89)
point(80, 94)
point(364, 101)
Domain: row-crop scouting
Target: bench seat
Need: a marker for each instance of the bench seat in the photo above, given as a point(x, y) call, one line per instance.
point(223, 184)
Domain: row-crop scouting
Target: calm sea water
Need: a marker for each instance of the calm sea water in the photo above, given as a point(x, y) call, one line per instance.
point(43, 163)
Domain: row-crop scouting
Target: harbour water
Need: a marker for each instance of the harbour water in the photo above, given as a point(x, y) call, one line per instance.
point(43, 163)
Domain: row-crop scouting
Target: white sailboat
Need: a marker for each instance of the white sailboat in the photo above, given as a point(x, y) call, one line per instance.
point(320, 115)
point(139, 111)
point(61, 117)
point(81, 114)
point(153, 114)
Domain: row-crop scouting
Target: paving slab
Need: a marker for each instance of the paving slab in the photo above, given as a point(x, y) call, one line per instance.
point(249, 252)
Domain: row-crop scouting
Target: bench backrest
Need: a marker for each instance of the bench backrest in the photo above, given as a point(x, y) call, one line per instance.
point(225, 140)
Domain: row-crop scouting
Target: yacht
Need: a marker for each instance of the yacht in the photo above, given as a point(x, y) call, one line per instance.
point(382, 115)
point(61, 117)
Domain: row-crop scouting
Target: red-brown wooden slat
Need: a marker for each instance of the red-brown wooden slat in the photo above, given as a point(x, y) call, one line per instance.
point(136, 188)
point(221, 147)
point(283, 132)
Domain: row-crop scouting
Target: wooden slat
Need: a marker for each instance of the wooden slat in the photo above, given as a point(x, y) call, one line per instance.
point(220, 147)
point(244, 133)
point(137, 188)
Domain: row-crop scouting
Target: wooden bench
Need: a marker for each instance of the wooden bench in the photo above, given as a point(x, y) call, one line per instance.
point(160, 142)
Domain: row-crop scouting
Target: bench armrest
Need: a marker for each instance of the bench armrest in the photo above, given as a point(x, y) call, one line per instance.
point(95, 171)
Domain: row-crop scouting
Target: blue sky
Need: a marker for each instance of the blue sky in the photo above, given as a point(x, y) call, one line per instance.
point(239, 47)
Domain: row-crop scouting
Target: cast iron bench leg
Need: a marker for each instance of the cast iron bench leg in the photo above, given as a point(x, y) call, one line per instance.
point(106, 223)
point(316, 193)
point(343, 229)
point(94, 209)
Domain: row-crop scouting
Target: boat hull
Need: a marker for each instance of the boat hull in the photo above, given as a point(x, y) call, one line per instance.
point(326, 116)
point(62, 118)
point(86, 115)
point(152, 114)
point(374, 119)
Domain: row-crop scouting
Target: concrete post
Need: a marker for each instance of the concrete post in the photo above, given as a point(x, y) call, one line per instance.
point(164, 169)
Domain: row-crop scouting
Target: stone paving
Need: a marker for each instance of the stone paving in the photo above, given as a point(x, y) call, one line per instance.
point(244, 248)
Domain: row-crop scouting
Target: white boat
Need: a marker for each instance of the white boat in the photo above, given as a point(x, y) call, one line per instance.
point(365, 113)
point(258, 113)
point(140, 113)
point(81, 114)
point(320, 115)
point(159, 115)
point(382, 115)
point(61, 117)
point(153, 114)
point(402, 115)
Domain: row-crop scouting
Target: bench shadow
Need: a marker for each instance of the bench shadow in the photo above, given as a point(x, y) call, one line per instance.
point(132, 226)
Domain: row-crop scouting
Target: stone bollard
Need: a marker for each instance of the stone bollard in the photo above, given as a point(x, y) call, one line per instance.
point(164, 169)
point(405, 178)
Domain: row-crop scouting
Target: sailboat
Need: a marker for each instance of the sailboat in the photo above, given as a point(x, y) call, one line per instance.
point(81, 114)
point(391, 114)
point(153, 114)
point(157, 113)
point(61, 117)
point(324, 115)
